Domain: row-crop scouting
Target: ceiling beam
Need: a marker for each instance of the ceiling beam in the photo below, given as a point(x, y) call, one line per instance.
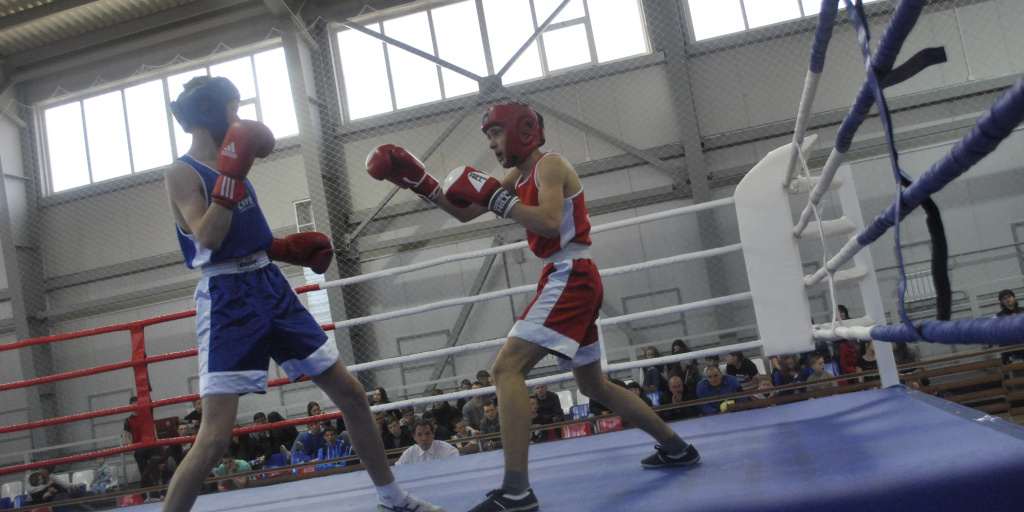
point(26, 73)
point(160, 20)
point(40, 12)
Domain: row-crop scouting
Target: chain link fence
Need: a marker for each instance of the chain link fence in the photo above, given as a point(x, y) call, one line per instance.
point(651, 116)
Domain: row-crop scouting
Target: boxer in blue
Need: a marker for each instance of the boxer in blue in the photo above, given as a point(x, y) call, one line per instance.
point(246, 312)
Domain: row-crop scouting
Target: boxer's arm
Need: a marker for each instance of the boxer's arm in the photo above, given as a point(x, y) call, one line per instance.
point(461, 214)
point(545, 219)
point(475, 210)
point(209, 224)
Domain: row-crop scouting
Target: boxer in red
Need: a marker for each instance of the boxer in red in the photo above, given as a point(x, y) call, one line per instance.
point(543, 193)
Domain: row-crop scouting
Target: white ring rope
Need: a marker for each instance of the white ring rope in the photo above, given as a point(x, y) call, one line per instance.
point(488, 344)
point(828, 173)
point(558, 377)
point(521, 245)
point(483, 345)
point(529, 288)
point(642, 315)
point(821, 232)
point(803, 114)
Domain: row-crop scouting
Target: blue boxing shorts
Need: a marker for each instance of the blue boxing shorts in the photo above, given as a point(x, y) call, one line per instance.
point(248, 314)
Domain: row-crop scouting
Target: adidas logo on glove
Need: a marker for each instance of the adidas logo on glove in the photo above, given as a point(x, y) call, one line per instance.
point(229, 151)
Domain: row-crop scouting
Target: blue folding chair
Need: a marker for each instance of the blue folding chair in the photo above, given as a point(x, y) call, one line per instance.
point(6, 503)
point(276, 460)
point(579, 411)
point(19, 501)
point(655, 398)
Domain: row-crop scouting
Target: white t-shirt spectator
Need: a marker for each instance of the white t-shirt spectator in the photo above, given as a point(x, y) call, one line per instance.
point(438, 450)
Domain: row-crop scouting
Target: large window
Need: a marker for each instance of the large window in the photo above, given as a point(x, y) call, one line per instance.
point(381, 78)
point(713, 18)
point(131, 130)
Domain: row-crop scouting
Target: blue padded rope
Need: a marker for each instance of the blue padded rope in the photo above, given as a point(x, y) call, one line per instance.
point(889, 45)
point(1004, 331)
point(887, 55)
point(997, 124)
point(823, 34)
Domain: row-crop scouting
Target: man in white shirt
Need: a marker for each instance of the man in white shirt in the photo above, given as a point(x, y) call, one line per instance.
point(425, 447)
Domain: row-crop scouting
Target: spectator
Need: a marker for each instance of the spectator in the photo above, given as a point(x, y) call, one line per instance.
point(903, 355)
point(443, 411)
point(242, 447)
point(260, 440)
point(817, 362)
point(473, 411)
point(425, 448)
point(231, 466)
point(866, 361)
point(177, 452)
point(743, 369)
point(44, 489)
point(461, 431)
point(332, 448)
point(716, 384)
point(537, 419)
point(45, 472)
point(712, 361)
point(133, 434)
point(381, 418)
point(313, 409)
point(490, 424)
point(408, 417)
point(1008, 307)
point(484, 378)
point(690, 372)
point(156, 474)
point(441, 433)
point(548, 404)
point(1008, 304)
point(678, 347)
point(101, 477)
point(845, 351)
point(194, 418)
point(465, 385)
point(764, 388)
point(788, 372)
point(396, 436)
point(281, 439)
point(380, 397)
point(634, 388)
point(312, 441)
point(654, 379)
point(675, 395)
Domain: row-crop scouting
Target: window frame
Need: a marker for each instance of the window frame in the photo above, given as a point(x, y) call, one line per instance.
point(427, 6)
point(135, 177)
point(801, 24)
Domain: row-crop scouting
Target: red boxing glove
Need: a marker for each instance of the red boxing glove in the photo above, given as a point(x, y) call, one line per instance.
point(395, 164)
point(244, 142)
point(467, 185)
point(310, 249)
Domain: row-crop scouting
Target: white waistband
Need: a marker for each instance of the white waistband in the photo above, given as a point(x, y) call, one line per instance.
point(238, 265)
point(573, 251)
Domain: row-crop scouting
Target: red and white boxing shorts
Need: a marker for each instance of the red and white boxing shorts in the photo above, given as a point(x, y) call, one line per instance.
point(563, 316)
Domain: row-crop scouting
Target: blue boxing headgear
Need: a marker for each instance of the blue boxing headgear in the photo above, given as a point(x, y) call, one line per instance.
point(205, 105)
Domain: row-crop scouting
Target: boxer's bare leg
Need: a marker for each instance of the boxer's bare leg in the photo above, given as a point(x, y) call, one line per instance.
point(219, 413)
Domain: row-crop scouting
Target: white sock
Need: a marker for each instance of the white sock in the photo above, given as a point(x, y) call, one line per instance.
point(391, 494)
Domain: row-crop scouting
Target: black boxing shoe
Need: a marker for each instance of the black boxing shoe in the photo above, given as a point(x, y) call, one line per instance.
point(662, 459)
point(500, 501)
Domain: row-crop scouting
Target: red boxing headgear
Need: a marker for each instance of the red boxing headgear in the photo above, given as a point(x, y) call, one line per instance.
point(524, 130)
